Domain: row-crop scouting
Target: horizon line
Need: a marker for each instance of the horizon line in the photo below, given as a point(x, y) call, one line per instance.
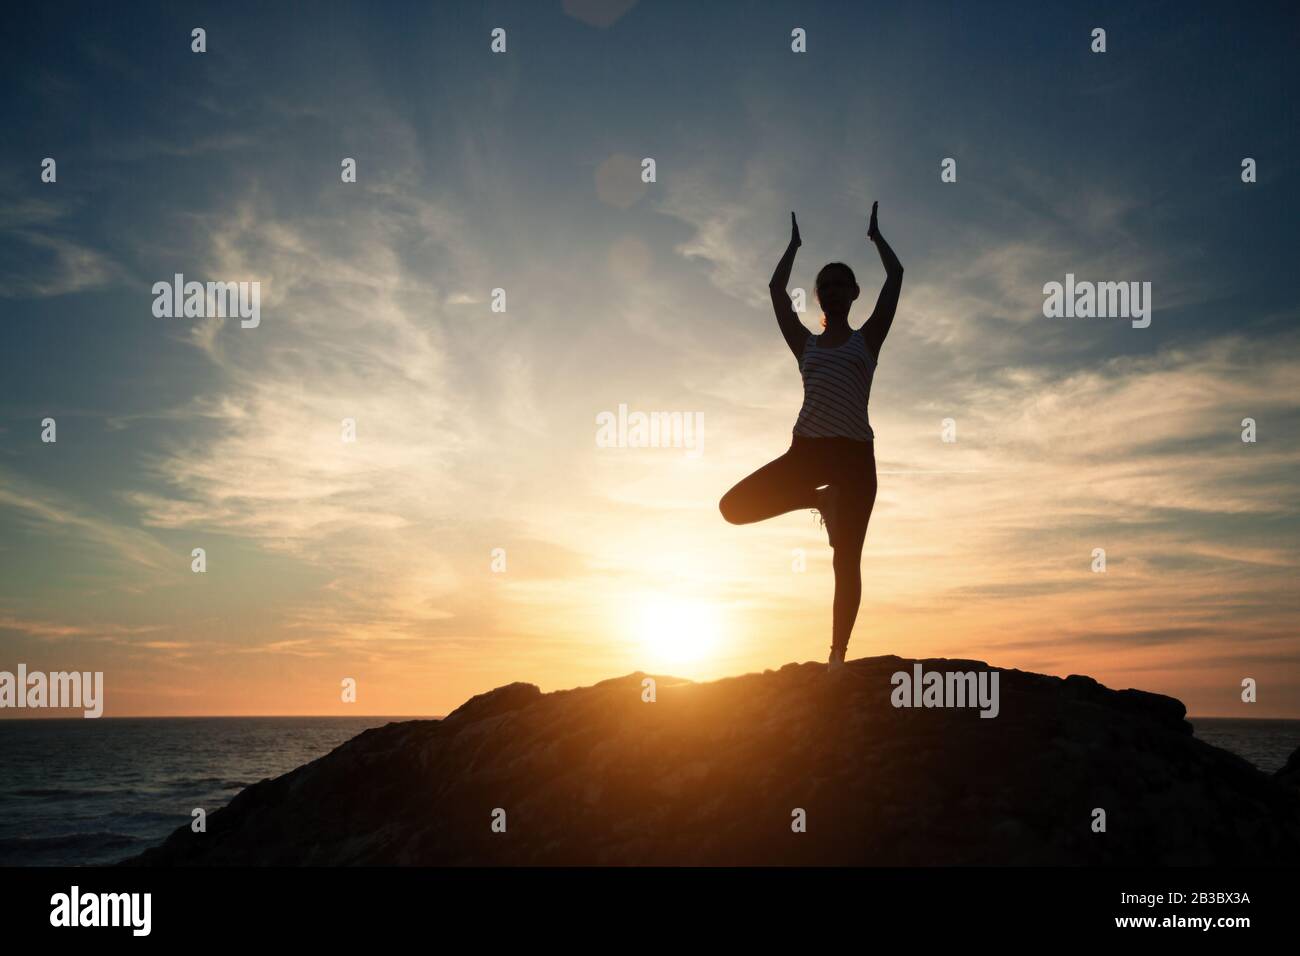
point(393, 717)
point(33, 719)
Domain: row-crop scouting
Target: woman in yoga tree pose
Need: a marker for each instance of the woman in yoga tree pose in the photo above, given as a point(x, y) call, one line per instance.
point(831, 463)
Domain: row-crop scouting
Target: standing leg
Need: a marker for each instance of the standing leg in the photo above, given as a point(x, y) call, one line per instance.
point(857, 471)
point(787, 484)
point(848, 592)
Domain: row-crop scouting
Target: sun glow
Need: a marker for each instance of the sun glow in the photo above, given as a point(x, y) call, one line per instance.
point(674, 631)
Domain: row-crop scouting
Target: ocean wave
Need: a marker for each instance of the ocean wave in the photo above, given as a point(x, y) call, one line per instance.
point(147, 816)
point(221, 783)
point(99, 840)
point(70, 793)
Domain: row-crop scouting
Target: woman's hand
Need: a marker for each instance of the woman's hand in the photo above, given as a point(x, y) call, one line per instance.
point(882, 317)
point(796, 334)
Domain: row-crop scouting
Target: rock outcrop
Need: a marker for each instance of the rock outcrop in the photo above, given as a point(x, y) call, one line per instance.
point(722, 773)
point(1289, 775)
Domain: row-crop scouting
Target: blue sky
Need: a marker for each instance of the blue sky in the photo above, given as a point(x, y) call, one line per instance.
point(520, 171)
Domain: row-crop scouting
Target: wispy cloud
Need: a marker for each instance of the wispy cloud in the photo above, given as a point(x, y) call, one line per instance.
point(58, 630)
point(116, 543)
point(53, 261)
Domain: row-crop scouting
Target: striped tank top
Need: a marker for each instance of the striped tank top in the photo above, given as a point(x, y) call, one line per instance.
point(836, 386)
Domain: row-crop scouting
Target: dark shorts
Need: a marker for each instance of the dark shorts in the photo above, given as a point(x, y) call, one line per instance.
point(789, 483)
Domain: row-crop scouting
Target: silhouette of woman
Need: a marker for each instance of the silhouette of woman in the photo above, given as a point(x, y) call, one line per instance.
point(831, 463)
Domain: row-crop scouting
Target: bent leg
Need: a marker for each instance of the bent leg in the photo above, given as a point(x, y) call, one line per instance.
point(786, 484)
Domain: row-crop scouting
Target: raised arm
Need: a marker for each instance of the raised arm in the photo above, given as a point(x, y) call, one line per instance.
point(882, 317)
point(795, 332)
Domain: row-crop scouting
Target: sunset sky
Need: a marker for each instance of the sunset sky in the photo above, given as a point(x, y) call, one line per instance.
point(476, 430)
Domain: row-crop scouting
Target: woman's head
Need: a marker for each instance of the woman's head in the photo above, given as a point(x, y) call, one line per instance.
point(836, 288)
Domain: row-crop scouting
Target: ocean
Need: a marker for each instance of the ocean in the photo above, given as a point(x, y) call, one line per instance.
point(82, 792)
point(1265, 743)
point(77, 792)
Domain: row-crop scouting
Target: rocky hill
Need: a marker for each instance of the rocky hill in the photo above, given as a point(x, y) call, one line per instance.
point(717, 773)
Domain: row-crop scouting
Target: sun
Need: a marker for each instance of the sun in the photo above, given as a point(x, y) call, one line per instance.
point(673, 630)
